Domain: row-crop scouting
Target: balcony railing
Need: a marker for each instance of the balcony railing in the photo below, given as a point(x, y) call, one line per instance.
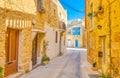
point(62, 25)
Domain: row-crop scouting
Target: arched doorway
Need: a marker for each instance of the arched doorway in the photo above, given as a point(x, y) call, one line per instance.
point(76, 43)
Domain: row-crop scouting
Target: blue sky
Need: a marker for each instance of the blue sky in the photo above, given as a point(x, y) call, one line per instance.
point(75, 8)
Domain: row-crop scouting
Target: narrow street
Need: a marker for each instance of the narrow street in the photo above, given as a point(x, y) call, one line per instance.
point(66, 66)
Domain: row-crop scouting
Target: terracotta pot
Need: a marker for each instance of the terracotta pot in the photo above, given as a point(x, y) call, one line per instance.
point(45, 62)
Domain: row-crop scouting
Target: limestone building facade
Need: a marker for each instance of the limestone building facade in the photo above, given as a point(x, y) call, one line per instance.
point(75, 31)
point(24, 26)
point(102, 24)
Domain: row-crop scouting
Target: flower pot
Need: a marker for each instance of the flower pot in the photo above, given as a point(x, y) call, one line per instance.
point(45, 62)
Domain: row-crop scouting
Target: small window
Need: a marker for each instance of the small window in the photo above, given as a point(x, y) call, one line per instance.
point(39, 5)
point(69, 32)
point(91, 19)
point(56, 38)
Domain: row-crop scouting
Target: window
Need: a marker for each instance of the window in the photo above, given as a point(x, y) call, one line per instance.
point(76, 31)
point(91, 18)
point(69, 32)
point(39, 5)
point(56, 37)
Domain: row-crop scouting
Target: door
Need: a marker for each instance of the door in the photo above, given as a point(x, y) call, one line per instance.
point(76, 43)
point(12, 38)
point(102, 48)
point(34, 51)
point(104, 55)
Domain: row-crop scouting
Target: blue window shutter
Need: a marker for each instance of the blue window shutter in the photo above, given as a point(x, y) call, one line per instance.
point(76, 31)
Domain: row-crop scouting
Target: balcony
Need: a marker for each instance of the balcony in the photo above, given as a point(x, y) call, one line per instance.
point(62, 26)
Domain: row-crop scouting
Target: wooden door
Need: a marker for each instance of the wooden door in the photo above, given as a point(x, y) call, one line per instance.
point(34, 51)
point(12, 39)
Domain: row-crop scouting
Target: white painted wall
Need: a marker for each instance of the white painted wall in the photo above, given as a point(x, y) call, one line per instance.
point(63, 47)
point(53, 47)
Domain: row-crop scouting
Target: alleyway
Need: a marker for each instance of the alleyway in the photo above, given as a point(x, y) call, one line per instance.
point(66, 66)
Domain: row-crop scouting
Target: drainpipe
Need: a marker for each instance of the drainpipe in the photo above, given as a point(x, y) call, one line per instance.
point(109, 25)
point(110, 32)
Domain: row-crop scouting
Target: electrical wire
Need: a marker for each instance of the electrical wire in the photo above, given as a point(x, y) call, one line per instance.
point(69, 6)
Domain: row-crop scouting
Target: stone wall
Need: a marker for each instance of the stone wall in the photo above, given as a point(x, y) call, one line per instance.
point(53, 47)
point(2, 38)
point(21, 15)
point(15, 18)
point(104, 23)
point(25, 50)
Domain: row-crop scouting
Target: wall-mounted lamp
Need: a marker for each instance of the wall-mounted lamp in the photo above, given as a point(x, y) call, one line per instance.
point(99, 26)
point(100, 9)
point(33, 22)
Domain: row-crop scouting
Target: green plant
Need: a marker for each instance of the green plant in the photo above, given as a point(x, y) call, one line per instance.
point(90, 15)
point(1, 70)
point(94, 64)
point(44, 58)
point(45, 44)
point(104, 75)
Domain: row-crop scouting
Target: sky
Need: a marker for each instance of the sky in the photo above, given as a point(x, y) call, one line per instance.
point(75, 8)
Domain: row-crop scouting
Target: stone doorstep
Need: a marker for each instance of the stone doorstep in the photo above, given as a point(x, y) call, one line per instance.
point(90, 73)
point(16, 75)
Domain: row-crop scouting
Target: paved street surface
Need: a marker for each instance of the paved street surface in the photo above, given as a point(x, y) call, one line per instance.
point(70, 65)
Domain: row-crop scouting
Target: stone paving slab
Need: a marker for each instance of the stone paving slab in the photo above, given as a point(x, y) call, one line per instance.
point(72, 64)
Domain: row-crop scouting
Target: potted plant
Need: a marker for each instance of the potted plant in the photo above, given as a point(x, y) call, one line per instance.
point(45, 59)
point(90, 15)
point(1, 71)
point(94, 66)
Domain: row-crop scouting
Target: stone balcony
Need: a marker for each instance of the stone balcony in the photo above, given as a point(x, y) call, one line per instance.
point(62, 26)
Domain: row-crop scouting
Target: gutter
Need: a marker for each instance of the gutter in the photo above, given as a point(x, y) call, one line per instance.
point(110, 33)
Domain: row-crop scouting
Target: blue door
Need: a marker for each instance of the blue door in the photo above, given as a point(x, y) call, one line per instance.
point(76, 43)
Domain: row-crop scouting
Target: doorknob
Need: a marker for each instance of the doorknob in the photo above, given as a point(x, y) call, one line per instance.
point(10, 62)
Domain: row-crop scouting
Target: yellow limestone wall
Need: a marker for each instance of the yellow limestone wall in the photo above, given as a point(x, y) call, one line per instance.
point(19, 15)
point(109, 21)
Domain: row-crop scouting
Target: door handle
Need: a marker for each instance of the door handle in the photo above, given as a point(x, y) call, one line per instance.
point(10, 62)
